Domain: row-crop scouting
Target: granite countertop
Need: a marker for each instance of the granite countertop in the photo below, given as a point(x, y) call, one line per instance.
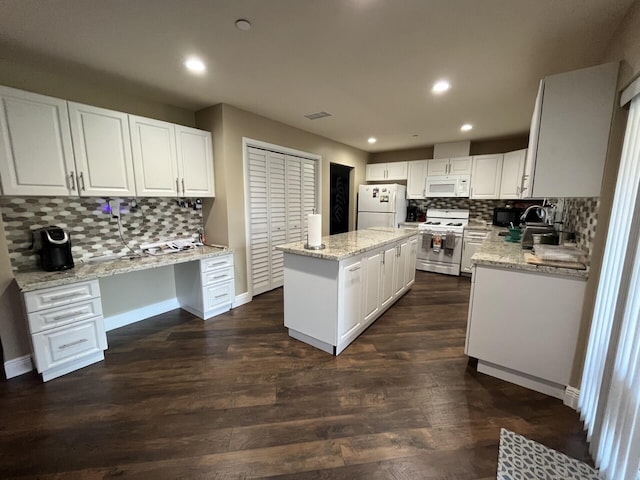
point(497, 252)
point(345, 245)
point(37, 279)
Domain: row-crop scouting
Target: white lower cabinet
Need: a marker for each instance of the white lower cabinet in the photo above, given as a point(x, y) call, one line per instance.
point(516, 339)
point(372, 284)
point(471, 241)
point(205, 288)
point(387, 276)
point(352, 307)
point(66, 326)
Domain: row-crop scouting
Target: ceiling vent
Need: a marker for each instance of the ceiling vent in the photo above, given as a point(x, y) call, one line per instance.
point(315, 116)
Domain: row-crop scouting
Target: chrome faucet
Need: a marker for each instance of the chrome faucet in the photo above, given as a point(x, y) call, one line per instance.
point(541, 212)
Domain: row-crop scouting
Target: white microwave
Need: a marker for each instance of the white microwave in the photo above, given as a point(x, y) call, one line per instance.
point(447, 186)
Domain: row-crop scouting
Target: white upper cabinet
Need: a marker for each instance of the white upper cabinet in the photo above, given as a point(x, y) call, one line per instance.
point(460, 166)
point(36, 156)
point(195, 162)
point(449, 166)
point(512, 173)
point(171, 160)
point(386, 171)
point(438, 167)
point(102, 149)
point(397, 171)
point(485, 176)
point(416, 176)
point(570, 133)
point(154, 157)
point(49, 146)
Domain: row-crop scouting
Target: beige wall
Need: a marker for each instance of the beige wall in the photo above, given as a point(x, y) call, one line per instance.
point(625, 48)
point(479, 147)
point(500, 145)
point(13, 333)
point(407, 155)
point(234, 124)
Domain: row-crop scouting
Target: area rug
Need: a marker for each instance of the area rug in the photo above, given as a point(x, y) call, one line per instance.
point(522, 459)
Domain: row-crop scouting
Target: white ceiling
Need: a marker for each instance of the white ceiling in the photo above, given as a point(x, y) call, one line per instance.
point(371, 63)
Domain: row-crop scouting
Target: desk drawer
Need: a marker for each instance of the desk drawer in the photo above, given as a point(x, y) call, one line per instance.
point(58, 346)
point(218, 275)
point(218, 295)
point(56, 317)
point(215, 263)
point(58, 296)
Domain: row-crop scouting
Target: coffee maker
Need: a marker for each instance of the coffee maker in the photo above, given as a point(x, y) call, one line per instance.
point(53, 245)
point(412, 213)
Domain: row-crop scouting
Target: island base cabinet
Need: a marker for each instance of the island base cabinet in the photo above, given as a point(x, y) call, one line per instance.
point(329, 303)
point(523, 326)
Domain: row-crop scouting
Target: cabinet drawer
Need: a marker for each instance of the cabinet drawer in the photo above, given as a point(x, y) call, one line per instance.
point(55, 317)
point(55, 347)
point(217, 275)
point(58, 296)
point(217, 295)
point(215, 263)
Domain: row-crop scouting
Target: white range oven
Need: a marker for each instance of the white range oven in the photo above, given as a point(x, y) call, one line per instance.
point(440, 241)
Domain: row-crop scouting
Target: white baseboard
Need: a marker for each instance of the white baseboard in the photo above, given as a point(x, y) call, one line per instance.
point(241, 299)
point(138, 314)
point(527, 381)
point(571, 397)
point(18, 366)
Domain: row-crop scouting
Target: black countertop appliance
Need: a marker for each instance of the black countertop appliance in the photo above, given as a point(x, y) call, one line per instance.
point(54, 248)
point(412, 213)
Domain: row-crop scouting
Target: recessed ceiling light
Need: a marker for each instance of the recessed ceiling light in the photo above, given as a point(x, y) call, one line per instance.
point(242, 24)
point(372, 140)
point(441, 86)
point(466, 127)
point(195, 65)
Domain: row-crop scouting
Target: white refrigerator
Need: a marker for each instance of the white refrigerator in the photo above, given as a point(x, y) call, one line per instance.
point(381, 205)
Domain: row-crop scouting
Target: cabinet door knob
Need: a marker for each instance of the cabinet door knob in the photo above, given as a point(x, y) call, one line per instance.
point(72, 178)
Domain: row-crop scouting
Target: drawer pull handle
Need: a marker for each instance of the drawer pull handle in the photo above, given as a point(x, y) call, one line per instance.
point(60, 297)
point(217, 264)
point(220, 296)
point(68, 315)
point(354, 268)
point(219, 276)
point(72, 344)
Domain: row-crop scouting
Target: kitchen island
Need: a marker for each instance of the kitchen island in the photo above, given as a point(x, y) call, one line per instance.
point(523, 319)
point(332, 295)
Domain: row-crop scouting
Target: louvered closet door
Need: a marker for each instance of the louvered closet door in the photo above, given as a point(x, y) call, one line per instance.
point(294, 199)
point(309, 197)
point(278, 214)
point(259, 221)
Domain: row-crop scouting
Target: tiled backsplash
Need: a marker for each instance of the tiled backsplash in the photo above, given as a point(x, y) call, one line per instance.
point(477, 208)
point(93, 231)
point(581, 216)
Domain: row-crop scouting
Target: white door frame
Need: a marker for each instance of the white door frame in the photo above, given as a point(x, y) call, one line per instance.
point(250, 142)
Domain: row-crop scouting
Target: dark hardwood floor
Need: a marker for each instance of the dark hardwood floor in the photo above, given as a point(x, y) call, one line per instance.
point(235, 397)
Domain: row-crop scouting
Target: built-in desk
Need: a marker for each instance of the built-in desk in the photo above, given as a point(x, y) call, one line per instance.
point(64, 309)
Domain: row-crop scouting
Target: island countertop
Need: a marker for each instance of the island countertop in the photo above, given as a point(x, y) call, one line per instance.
point(37, 279)
point(497, 252)
point(345, 245)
